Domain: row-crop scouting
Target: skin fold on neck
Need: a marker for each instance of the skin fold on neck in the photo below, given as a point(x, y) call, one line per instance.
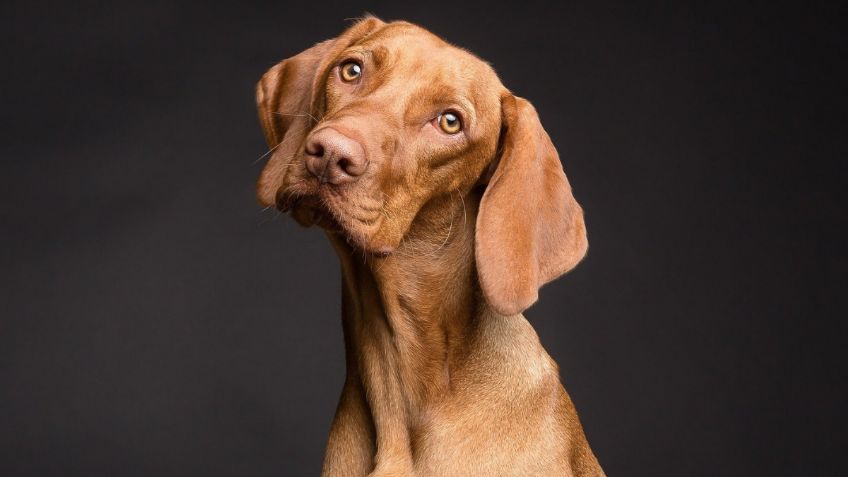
point(408, 318)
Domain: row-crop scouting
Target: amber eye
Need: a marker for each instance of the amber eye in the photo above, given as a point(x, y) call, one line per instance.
point(351, 71)
point(450, 123)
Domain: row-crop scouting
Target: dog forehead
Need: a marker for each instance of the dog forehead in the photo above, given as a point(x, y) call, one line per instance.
point(408, 45)
point(423, 62)
point(400, 35)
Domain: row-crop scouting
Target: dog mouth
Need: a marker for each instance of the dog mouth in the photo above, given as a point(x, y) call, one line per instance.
point(326, 208)
point(310, 210)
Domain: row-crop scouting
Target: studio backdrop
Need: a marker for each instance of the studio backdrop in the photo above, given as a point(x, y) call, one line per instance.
point(154, 320)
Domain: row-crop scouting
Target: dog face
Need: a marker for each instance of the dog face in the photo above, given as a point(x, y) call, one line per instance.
point(400, 118)
point(371, 128)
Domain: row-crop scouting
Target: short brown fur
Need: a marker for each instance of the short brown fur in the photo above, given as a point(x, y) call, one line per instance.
point(443, 241)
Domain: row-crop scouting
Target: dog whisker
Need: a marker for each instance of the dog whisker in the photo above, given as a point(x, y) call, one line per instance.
point(289, 136)
point(450, 229)
point(304, 115)
point(462, 201)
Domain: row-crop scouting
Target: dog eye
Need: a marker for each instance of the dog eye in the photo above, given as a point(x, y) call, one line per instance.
point(450, 122)
point(350, 71)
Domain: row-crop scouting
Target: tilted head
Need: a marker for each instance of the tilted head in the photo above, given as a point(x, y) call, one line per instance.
point(373, 127)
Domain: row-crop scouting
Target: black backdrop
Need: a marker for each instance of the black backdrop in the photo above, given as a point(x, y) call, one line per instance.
point(155, 321)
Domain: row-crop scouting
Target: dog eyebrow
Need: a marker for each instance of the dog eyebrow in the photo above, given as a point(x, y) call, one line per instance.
point(467, 108)
point(378, 55)
point(358, 50)
point(354, 52)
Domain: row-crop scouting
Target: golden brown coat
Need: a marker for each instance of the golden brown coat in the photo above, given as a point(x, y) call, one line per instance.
point(444, 240)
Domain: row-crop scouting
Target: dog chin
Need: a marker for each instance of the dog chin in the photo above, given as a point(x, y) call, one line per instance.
point(309, 211)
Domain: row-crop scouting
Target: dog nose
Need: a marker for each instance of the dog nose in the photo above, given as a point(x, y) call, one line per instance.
point(335, 158)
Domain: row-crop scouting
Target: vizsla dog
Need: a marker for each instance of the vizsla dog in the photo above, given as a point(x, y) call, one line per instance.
point(448, 207)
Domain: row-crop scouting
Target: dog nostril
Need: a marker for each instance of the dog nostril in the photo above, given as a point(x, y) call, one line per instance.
point(334, 158)
point(315, 149)
point(345, 165)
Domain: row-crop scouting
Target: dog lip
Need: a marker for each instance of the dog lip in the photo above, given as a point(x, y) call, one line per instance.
point(309, 209)
point(287, 199)
point(286, 204)
point(312, 203)
point(382, 252)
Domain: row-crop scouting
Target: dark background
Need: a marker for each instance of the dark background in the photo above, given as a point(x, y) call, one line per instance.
point(155, 321)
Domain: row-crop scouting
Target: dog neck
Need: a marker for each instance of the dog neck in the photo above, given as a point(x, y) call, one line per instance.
point(409, 316)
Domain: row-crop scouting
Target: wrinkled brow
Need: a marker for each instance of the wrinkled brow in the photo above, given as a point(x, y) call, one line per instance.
point(432, 97)
point(377, 55)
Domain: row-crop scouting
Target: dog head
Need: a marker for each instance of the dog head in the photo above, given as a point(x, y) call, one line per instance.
point(371, 127)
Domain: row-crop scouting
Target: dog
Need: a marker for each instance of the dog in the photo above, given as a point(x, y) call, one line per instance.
point(448, 207)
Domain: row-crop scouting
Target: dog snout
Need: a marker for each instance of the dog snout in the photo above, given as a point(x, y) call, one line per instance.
point(334, 158)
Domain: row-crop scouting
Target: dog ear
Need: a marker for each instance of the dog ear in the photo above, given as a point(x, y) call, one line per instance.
point(289, 98)
point(530, 228)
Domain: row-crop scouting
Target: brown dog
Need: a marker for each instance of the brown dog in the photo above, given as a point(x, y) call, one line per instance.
point(448, 207)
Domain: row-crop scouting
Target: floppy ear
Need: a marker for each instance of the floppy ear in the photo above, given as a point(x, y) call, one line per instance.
point(288, 99)
point(530, 228)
